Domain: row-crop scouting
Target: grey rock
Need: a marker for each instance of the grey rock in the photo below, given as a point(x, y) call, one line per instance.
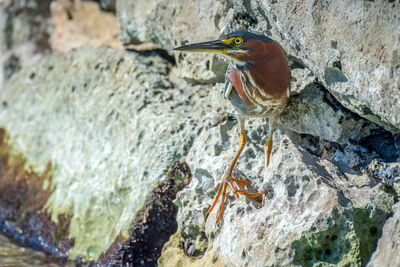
point(386, 173)
point(173, 23)
point(387, 252)
point(313, 213)
point(25, 27)
point(109, 123)
point(352, 47)
point(109, 5)
point(314, 112)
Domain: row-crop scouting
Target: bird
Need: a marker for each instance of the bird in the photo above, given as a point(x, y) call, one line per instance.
point(257, 83)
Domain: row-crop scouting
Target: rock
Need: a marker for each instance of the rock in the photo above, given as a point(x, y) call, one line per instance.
point(167, 24)
point(109, 123)
point(352, 48)
point(313, 211)
point(387, 252)
point(108, 5)
point(13, 255)
point(386, 173)
point(82, 23)
point(153, 226)
point(108, 126)
point(315, 112)
point(22, 199)
point(25, 27)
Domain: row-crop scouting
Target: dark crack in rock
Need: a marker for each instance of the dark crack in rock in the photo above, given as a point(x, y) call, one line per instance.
point(153, 226)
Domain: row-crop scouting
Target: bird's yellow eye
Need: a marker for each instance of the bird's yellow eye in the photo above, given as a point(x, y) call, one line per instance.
point(238, 41)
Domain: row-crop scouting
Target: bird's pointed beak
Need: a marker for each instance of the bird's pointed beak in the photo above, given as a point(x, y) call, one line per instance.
point(216, 46)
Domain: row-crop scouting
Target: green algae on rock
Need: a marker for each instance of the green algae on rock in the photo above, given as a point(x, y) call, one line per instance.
point(13, 255)
point(109, 122)
point(153, 226)
point(311, 205)
point(22, 199)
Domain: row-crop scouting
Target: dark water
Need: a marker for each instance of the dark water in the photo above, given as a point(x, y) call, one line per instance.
point(12, 255)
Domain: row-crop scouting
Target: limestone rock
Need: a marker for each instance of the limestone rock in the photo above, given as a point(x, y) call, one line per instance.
point(25, 27)
point(109, 123)
point(315, 112)
point(387, 252)
point(82, 23)
point(353, 48)
point(313, 212)
point(386, 173)
point(108, 5)
point(173, 23)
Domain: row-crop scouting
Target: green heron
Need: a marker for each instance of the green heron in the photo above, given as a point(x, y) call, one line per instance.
point(257, 85)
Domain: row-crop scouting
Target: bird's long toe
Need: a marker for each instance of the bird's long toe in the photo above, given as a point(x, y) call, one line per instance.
point(222, 194)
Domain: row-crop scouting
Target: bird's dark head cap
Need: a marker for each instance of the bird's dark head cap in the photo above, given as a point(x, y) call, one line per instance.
point(229, 45)
point(245, 36)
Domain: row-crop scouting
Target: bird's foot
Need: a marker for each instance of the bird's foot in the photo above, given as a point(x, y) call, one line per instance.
point(229, 180)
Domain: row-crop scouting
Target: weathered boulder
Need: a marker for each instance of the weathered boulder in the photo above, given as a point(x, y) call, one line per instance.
point(108, 123)
point(387, 252)
point(315, 112)
point(172, 23)
point(82, 23)
point(313, 212)
point(105, 128)
point(108, 5)
point(353, 48)
point(25, 27)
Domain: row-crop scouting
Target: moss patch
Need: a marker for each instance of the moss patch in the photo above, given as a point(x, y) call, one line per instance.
point(349, 240)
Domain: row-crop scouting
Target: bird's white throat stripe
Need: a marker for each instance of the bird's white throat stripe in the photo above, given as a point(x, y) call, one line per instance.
point(255, 94)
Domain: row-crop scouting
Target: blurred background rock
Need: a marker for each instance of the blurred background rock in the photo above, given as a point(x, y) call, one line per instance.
point(104, 114)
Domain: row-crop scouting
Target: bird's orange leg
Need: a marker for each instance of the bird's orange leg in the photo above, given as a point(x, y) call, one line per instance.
point(268, 145)
point(228, 179)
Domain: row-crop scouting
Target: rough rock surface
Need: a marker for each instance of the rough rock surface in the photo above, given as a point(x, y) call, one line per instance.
point(166, 24)
point(314, 212)
point(387, 252)
point(108, 5)
point(13, 255)
point(109, 123)
point(25, 27)
point(82, 23)
point(353, 48)
point(315, 112)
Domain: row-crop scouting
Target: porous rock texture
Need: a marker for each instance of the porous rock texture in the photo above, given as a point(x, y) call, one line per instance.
point(108, 5)
point(344, 59)
point(25, 27)
point(352, 47)
point(167, 23)
point(315, 212)
point(82, 23)
point(109, 123)
point(387, 252)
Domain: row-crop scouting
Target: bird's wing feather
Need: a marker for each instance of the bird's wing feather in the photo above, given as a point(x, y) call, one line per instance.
point(228, 85)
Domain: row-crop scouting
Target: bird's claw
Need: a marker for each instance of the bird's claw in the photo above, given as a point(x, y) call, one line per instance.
point(222, 191)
